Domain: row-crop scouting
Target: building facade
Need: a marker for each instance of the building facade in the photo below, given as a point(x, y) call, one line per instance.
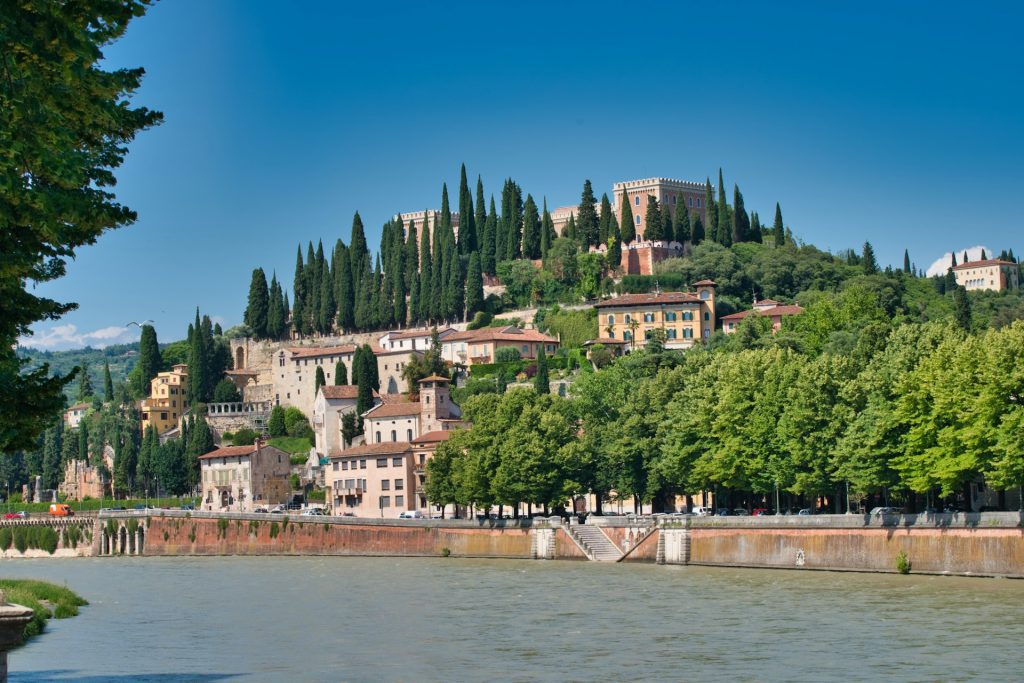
point(685, 317)
point(991, 274)
point(241, 478)
point(428, 218)
point(669, 192)
point(73, 415)
point(166, 403)
point(480, 346)
point(767, 307)
point(384, 476)
point(331, 405)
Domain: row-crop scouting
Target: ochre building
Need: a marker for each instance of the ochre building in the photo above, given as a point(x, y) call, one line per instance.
point(685, 317)
point(992, 274)
point(166, 403)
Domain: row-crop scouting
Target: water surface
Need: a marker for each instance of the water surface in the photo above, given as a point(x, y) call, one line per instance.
point(397, 619)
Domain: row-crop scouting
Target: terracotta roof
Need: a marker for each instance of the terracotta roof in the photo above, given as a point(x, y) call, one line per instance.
point(318, 352)
point(377, 351)
point(982, 264)
point(767, 302)
point(343, 391)
point(770, 312)
point(415, 334)
point(229, 452)
point(509, 333)
point(650, 299)
point(78, 406)
point(433, 437)
point(705, 283)
point(393, 398)
point(393, 410)
point(386, 448)
point(435, 378)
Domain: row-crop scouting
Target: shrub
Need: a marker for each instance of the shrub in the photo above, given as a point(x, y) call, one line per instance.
point(226, 392)
point(903, 563)
point(6, 538)
point(445, 551)
point(46, 539)
point(506, 354)
point(276, 425)
point(244, 437)
point(301, 430)
point(20, 539)
point(275, 529)
point(481, 319)
point(293, 417)
point(293, 481)
point(222, 528)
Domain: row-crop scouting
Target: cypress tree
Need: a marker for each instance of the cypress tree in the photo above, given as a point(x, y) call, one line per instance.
point(438, 270)
point(667, 234)
point(531, 230)
point(570, 227)
point(298, 293)
point(328, 307)
point(426, 271)
point(340, 374)
point(359, 251)
point(966, 259)
point(480, 219)
point(314, 273)
point(547, 231)
point(983, 256)
point(474, 286)
point(344, 286)
point(697, 232)
point(509, 237)
point(604, 220)
point(614, 256)
point(488, 246)
point(467, 219)
point(196, 363)
point(275, 312)
point(411, 258)
point(85, 389)
point(962, 308)
point(741, 223)
point(446, 211)
point(540, 380)
point(906, 261)
point(710, 212)
point(868, 261)
point(319, 380)
point(83, 440)
point(375, 317)
point(149, 358)
point(724, 217)
point(777, 230)
point(954, 260)
point(682, 225)
point(108, 384)
point(755, 228)
point(587, 228)
point(627, 224)
point(655, 226)
point(51, 457)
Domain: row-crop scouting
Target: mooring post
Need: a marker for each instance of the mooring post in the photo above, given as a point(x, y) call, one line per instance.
point(12, 624)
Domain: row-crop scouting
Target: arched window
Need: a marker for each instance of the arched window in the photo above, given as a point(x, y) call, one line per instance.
point(629, 318)
point(628, 336)
point(611, 319)
point(704, 294)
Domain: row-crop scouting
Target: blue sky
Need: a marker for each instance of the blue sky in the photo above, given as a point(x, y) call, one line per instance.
point(897, 124)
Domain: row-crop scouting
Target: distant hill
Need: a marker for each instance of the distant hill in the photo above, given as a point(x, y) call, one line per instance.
point(122, 358)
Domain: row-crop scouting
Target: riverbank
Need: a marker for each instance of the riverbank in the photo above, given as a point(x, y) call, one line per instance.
point(986, 544)
point(46, 601)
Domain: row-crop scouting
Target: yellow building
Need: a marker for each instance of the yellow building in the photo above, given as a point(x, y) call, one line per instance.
point(166, 403)
point(992, 274)
point(685, 317)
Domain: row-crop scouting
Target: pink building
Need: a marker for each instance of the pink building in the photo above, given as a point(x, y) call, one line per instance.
point(766, 307)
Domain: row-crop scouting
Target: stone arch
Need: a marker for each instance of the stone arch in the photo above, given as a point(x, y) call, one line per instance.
point(240, 358)
point(122, 540)
point(141, 543)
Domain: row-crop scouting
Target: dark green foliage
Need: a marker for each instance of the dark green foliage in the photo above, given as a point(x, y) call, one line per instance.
point(488, 242)
point(778, 231)
point(66, 124)
point(244, 437)
point(85, 390)
point(52, 447)
point(170, 467)
point(467, 218)
point(906, 261)
point(710, 212)
point(319, 380)
point(506, 354)
point(654, 230)
point(225, 391)
point(741, 231)
point(587, 229)
point(547, 231)
point(108, 384)
point(426, 288)
point(681, 229)
point(340, 374)
point(475, 285)
point(724, 214)
point(604, 221)
point(627, 224)
point(531, 230)
point(200, 442)
point(480, 218)
point(257, 311)
point(540, 380)
point(962, 308)
point(510, 228)
point(275, 424)
point(868, 261)
point(614, 256)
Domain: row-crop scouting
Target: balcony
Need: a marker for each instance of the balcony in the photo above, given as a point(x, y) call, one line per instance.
point(340, 489)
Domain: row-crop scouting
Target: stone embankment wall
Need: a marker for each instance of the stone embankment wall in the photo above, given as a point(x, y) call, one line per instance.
point(988, 544)
point(263, 534)
point(74, 537)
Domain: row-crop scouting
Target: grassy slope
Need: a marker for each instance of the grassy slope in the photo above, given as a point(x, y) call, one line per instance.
point(44, 599)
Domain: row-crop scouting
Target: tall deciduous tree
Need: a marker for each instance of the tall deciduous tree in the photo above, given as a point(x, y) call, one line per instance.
point(66, 123)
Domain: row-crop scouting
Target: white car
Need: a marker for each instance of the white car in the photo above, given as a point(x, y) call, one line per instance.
point(410, 514)
point(702, 511)
point(312, 512)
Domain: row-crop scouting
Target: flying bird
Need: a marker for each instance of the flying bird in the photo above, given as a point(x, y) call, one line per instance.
point(144, 322)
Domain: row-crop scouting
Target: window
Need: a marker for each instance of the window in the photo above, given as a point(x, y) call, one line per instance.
point(611, 319)
point(690, 202)
point(687, 333)
point(385, 485)
point(670, 333)
point(382, 462)
point(394, 436)
point(707, 316)
point(408, 435)
point(428, 399)
point(378, 437)
point(670, 317)
point(399, 501)
point(648, 317)
point(611, 335)
point(629, 318)
point(687, 315)
point(638, 220)
point(344, 465)
point(636, 200)
point(385, 501)
point(396, 462)
point(399, 484)
point(526, 349)
point(362, 463)
point(648, 333)
point(673, 199)
point(280, 360)
point(628, 336)
point(335, 466)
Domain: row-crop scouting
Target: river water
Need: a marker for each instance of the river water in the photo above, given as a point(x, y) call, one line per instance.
point(402, 619)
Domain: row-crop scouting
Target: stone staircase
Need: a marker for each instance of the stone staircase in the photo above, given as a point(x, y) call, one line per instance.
point(594, 543)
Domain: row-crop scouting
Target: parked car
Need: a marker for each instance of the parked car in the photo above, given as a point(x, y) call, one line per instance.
point(410, 514)
point(757, 512)
point(261, 510)
point(278, 510)
point(723, 512)
point(312, 512)
point(702, 511)
point(188, 507)
point(804, 512)
point(884, 510)
point(741, 512)
point(21, 514)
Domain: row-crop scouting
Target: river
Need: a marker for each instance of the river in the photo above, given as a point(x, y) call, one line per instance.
point(395, 619)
